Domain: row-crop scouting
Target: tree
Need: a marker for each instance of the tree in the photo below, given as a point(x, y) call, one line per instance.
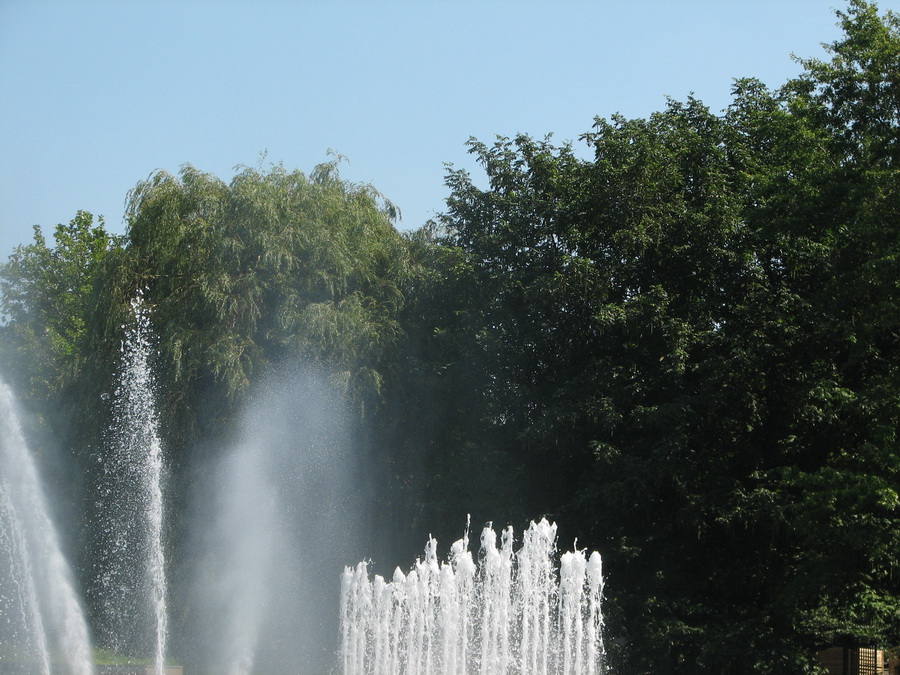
point(692, 338)
point(238, 276)
point(45, 295)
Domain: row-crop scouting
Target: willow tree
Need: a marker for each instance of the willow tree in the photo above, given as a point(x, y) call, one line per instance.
point(273, 265)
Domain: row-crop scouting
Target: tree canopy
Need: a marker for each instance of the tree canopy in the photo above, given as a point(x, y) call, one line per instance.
point(689, 345)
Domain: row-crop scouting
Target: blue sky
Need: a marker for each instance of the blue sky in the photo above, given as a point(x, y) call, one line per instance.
point(95, 95)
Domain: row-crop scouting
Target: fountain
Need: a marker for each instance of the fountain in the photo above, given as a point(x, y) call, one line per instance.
point(511, 614)
point(41, 620)
point(132, 582)
point(273, 513)
point(271, 521)
point(288, 479)
point(43, 617)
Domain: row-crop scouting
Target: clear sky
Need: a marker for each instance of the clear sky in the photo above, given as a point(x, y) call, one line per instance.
point(95, 95)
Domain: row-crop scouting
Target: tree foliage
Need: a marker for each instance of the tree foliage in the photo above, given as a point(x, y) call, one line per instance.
point(274, 265)
point(46, 294)
point(691, 348)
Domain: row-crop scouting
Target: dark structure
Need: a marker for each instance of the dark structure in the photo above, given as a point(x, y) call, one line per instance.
point(858, 661)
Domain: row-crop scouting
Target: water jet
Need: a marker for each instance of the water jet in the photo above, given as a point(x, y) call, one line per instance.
point(131, 586)
point(516, 611)
point(40, 611)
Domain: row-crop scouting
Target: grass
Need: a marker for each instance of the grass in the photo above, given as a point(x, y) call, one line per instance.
point(107, 657)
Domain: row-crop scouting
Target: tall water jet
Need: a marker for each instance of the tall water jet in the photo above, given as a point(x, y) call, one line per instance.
point(275, 510)
point(132, 584)
point(40, 615)
point(516, 613)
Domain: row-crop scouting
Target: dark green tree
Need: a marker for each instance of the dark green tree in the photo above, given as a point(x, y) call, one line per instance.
point(690, 346)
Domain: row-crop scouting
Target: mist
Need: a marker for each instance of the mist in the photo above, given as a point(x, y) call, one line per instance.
point(275, 515)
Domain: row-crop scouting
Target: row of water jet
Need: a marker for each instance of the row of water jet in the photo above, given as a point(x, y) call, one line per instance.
point(514, 612)
point(42, 626)
point(132, 578)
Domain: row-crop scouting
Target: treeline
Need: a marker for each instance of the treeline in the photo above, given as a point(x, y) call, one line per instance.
point(686, 349)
